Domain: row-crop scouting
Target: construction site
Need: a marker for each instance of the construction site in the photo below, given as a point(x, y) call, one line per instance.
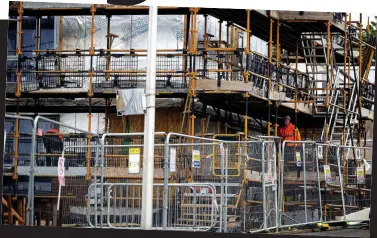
point(226, 82)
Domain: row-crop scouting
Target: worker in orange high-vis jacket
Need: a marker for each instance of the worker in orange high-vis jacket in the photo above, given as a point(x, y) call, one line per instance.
point(289, 132)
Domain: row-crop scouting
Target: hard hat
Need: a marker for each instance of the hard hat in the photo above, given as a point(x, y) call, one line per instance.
point(287, 117)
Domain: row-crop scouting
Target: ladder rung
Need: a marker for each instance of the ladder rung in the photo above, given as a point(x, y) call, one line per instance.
point(321, 72)
point(312, 48)
point(314, 64)
point(314, 56)
point(312, 39)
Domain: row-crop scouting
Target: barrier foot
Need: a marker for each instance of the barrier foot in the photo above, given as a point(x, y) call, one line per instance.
point(323, 226)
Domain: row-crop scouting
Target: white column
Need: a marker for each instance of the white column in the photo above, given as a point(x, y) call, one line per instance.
point(149, 124)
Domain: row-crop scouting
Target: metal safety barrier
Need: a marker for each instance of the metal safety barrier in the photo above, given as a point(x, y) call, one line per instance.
point(200, 184)
point(254, 202)
point(299, 186)
point(330, 179)
point(324, 183)
point(191, 206)
point(188, 159)
point(17, 174)
point(73, 193)
point(356, 188)
point(121, 146)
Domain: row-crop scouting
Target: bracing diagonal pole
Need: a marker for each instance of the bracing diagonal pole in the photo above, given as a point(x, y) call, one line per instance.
point(148, 162)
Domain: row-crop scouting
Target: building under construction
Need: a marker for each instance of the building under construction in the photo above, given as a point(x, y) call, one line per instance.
point(227, 75)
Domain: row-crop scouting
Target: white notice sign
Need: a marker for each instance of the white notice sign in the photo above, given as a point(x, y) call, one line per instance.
point(61, 171)
point(358, 155)
point(298, 158)
point(134, 161)
point(173, 153)
point(327, 173)
point(196, 159)
point(360, 175)
point(320, 152)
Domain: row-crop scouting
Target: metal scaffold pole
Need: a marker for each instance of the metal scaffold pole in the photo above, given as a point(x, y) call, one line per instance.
point(147, 196)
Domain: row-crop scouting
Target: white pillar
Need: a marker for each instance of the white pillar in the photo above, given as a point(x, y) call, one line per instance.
point(149, 124)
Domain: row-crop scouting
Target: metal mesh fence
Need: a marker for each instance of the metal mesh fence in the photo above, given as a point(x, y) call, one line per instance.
point(366, 153)
point(53, 70)
point(356, 190)
point(106, 71)
point(117, 150)
point(193, 160)
point(123, 71)
point(121, 161)
point(328, 161)
point(252, 195)
point(61, 70)
point(270, 178)
point(53, 140)
point(218, 66)
point(16, 172)
point(196, 159)
point(211, 184)
point(299, 188)
point(190, 206)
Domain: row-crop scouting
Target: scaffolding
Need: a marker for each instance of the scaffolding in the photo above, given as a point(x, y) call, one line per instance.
point(333, 95)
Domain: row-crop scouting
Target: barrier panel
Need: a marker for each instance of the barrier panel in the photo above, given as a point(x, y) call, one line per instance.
point(191, 206)
point(94, 203)
point(50, 138)
point(245, 185)
point(300, 182)
point(278, 168)
point(77, 207)
point(121, 162)
point(190, 159)
point(270, 185)
point(200, 184)
point(329, 171)
point(356, 189)
point(259, 181)
point(16, 170)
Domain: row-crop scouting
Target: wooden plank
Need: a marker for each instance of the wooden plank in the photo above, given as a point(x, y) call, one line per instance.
point(275, 14)
point(13, 212)
point(10, 211)
point(367, 114)
point(295, 15)
point(19, 207)
point(167, 120)
point(211, 85)
point(301, 107)
point(311, 177)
